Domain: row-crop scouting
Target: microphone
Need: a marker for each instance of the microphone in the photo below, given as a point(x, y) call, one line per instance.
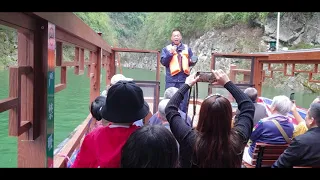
point(194, 59)
point(175, 47)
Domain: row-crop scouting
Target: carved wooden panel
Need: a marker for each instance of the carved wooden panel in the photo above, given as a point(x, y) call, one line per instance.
point(292, 70)
point(78, 64)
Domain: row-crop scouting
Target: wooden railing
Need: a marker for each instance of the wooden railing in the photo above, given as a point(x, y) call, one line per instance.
point(258, 72)
point(74, 142)
point(30, 100)
point(41, 37)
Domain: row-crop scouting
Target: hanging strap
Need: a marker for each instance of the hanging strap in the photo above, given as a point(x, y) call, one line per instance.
point(284, 134)
point(195, 97)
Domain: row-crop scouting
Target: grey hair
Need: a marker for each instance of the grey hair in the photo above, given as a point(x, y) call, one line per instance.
point(162, 106)
point(105, 92)
point(314, 112)
point(252, 93)
point(316, 100)
point(282, 104)
point(168, 93)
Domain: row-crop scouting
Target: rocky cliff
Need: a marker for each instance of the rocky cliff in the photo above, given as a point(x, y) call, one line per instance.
point(297, 30)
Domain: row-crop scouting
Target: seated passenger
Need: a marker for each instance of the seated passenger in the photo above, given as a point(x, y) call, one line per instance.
point(162, 115)
point(260, 111)
point(115, 78)
point(304, 149)
point(301, 128)
point(119, 77)
point(267, 130)
point(150, 147)
point(95, 112)
point(102, 147)
point(168, 94)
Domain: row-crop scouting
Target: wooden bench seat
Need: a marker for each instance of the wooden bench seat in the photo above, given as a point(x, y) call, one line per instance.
point(264, 155)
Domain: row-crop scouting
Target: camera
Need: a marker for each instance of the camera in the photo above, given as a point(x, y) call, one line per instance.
point(206, 77)
point(292, 97)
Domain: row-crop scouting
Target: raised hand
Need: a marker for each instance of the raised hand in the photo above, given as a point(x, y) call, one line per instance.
point(192, 79)
point(173, 50)
point(221, 76)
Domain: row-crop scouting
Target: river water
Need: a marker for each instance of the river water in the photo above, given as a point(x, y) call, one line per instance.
point(72, 106)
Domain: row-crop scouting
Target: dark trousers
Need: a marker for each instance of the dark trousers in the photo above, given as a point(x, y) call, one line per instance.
point(184, 103)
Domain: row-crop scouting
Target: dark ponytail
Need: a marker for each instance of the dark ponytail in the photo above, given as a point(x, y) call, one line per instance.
point(96, 106)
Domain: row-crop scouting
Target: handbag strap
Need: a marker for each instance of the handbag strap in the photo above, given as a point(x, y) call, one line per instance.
point(284, 134)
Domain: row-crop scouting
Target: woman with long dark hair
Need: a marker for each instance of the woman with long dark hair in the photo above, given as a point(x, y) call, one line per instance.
point(213, 143)
point(151, 146)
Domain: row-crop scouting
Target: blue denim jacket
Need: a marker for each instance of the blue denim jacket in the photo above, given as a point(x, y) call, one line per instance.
point(166, 56)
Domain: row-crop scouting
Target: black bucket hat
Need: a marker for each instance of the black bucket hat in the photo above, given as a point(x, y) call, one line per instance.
point(125, 103)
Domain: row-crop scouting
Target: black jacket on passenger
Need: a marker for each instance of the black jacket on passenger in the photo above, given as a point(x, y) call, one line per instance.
point(303, 151)
point(186, 135)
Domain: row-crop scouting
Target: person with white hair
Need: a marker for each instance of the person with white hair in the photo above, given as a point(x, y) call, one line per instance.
point(162, 115)
point(275, 129)
point(168, 94)
point(116, 78)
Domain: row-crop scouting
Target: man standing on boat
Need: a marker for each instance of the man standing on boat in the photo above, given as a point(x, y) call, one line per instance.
point(176, 57)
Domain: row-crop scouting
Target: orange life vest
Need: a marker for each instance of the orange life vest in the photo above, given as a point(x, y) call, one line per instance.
point(174, 63)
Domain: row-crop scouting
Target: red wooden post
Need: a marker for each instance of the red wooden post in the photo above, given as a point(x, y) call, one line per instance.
point(212, 66)
point(104, 66)
point(257, 78)
point(33, 153)
point(26, 58)
point(81, 65)
point(112, 65)
point(95, 74)
point(158, 79)
point(63, 77)
point(89, 64)
point(246, 77)
point(63, 73)
point(76, 60)
point(108, 70)
point(14, 113)
point(59, 54)
point(232, 74)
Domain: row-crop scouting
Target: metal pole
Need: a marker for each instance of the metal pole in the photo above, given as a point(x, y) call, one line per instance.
point(278, 28)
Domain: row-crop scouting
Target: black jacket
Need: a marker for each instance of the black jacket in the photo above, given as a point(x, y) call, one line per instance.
point(303, 151)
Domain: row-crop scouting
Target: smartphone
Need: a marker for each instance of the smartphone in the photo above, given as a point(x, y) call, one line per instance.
point(292, 97)
point(206, 77)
